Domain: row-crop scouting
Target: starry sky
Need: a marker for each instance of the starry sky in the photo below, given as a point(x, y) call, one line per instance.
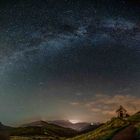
point(68, 59)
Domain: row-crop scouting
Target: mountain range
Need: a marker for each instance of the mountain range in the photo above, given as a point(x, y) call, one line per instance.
point(79, 127)
point(67, 124)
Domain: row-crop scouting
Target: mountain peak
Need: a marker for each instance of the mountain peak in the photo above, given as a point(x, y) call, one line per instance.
point(36, 123)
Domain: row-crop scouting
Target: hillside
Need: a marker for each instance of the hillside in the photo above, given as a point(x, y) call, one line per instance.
point(111, 128)
point(37, 130)
point(105, 132)
point(134, 118)
point(35, 123)
point(42, 128)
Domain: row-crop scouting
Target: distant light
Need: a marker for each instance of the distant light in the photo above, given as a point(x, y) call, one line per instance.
point(74, 121)
point(92, 123)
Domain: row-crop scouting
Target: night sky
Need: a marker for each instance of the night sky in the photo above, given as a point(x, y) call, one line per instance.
point(68, 59)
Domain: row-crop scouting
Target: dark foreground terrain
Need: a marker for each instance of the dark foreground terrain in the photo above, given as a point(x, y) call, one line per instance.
point(126, 134)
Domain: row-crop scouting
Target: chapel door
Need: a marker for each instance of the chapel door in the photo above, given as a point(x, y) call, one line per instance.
point(121, 114)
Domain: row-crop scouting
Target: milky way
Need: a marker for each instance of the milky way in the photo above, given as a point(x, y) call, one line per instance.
point(58, 60)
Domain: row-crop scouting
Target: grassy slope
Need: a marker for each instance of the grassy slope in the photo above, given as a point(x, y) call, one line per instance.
point(35, 138)
point(105, 132)
point(138, 131)
point(136, 120)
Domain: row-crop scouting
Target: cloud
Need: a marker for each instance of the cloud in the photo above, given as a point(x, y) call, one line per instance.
point(74, 103)
point(103, 107)
point(106, 105)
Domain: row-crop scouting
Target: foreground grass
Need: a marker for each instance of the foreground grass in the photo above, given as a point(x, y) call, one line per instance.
point(20, 138)
point(35, 138)
point(134, 119)
point(105, 132)
point(138, 131)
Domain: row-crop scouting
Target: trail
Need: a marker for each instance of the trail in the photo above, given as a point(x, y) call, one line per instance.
point(126, 134)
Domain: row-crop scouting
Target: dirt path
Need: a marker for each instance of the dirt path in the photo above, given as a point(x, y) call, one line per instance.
point(126, 134)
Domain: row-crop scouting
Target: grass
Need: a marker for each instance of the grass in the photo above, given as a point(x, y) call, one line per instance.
point(134, 119)
point(20, 138)
point(49, 132)
point(138, 131)
point(35, 138)
point(26, 131)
